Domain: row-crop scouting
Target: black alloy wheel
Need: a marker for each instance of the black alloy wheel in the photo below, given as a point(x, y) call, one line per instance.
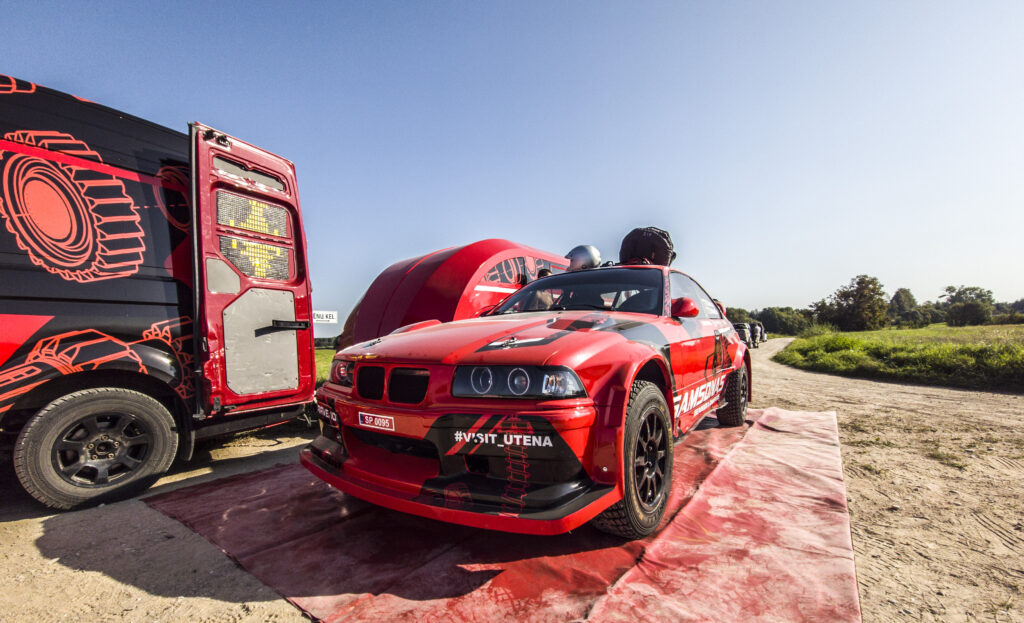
point(646, 466)
point(95, 445)
point(649, 465)
point(101, 449)
point(736, 394)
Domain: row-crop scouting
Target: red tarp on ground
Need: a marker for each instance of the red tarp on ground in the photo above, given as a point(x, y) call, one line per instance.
point(757, 530)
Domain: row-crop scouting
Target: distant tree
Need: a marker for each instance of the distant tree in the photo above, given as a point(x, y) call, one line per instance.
point(825, 311)
point(903, 310)
point(860, 306)
point(967, 294)
point(1017, 306)
point(901, 303)
point(931, 313)
point(324, 342)
point(737, 314)
point(784, 320)
point(969, 313)
point(967, 305)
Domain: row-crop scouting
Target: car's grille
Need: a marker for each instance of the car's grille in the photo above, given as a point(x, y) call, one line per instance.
point(395, 444)
point(370, 382)
point(408, 385)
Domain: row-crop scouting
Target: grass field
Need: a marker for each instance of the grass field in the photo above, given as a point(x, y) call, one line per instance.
point(986, 357)
point(323, 364)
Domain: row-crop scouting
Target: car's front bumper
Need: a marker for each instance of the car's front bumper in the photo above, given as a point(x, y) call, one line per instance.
point(506, 470)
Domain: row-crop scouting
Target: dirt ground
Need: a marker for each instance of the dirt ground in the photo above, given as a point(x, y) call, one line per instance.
point(933, 479)
point(935, 483)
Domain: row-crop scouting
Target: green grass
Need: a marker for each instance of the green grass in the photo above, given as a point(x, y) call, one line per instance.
point(986, 357)
point(323, 364)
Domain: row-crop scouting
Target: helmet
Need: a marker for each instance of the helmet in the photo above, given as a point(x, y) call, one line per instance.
point(583, 256)
point(647, 245)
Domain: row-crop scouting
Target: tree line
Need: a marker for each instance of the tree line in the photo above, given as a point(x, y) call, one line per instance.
point(863, 305)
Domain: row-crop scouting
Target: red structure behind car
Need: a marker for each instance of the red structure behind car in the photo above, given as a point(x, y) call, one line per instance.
point(557, 407)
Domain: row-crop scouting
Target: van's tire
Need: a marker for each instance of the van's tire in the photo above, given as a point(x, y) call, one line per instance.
point(95, 445)
point(646, 466)
point(734, 413)
point(72, 221)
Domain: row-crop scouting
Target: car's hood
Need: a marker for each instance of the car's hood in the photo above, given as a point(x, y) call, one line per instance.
point(535, 338)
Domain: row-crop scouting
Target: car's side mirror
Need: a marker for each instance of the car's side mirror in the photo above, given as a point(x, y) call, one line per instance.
point(683, 307)
point(721, 307)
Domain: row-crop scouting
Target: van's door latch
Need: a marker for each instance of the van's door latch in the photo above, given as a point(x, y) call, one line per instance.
point(283, 325)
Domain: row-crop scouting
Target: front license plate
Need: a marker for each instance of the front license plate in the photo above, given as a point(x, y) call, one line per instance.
point(381, 422)
point(326, 413)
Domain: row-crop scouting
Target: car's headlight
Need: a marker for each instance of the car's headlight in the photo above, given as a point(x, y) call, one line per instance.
point(341, 372)
point(516, 382)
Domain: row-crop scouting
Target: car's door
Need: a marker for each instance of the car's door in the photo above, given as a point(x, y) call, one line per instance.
point(252, 292)
point(698, 355)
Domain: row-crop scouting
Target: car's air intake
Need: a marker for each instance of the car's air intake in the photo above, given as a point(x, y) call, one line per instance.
point(408, 385)
point(370, 382)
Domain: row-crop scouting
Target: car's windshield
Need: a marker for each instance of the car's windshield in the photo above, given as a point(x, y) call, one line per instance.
point(609, 289)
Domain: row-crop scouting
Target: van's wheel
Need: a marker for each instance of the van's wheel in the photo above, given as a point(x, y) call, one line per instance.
point(735, 395)
point(646, 466)
point(94, 445)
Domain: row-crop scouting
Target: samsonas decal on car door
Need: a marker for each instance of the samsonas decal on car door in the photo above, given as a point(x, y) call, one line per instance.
point(699, 396)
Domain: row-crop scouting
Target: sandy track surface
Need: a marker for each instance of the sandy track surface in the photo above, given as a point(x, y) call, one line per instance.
point(933, 542)
point(128, 562)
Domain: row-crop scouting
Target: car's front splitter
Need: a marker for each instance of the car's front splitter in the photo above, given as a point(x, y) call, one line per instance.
point(450, 503)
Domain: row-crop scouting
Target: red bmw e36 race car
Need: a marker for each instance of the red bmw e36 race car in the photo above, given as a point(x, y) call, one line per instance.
point(558, 406)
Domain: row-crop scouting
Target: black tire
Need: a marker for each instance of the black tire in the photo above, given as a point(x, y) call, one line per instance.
point(735, 395)
point(95, 445)
point(646, 466)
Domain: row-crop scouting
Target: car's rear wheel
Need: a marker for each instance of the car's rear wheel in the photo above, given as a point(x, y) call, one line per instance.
point(735, 395)
point(646, 466)
point(94, 445)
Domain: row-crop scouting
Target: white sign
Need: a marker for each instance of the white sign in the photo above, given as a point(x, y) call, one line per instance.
point(325, 317)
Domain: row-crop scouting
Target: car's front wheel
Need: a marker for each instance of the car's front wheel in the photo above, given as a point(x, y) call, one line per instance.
point(646, 466)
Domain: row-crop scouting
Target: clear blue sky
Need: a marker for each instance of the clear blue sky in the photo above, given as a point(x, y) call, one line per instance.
point(787, 147)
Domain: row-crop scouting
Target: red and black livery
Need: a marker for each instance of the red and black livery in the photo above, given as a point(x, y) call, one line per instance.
point(132, 258)
point(558, 406)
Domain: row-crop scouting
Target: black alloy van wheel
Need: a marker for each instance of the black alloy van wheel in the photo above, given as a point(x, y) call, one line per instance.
point(95, 445)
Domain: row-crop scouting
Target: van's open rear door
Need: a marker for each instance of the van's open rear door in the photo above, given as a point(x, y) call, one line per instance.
point(252, 285)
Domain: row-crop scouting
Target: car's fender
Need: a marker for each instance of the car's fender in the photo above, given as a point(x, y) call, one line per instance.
point(741, 357)
point(612, 374)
